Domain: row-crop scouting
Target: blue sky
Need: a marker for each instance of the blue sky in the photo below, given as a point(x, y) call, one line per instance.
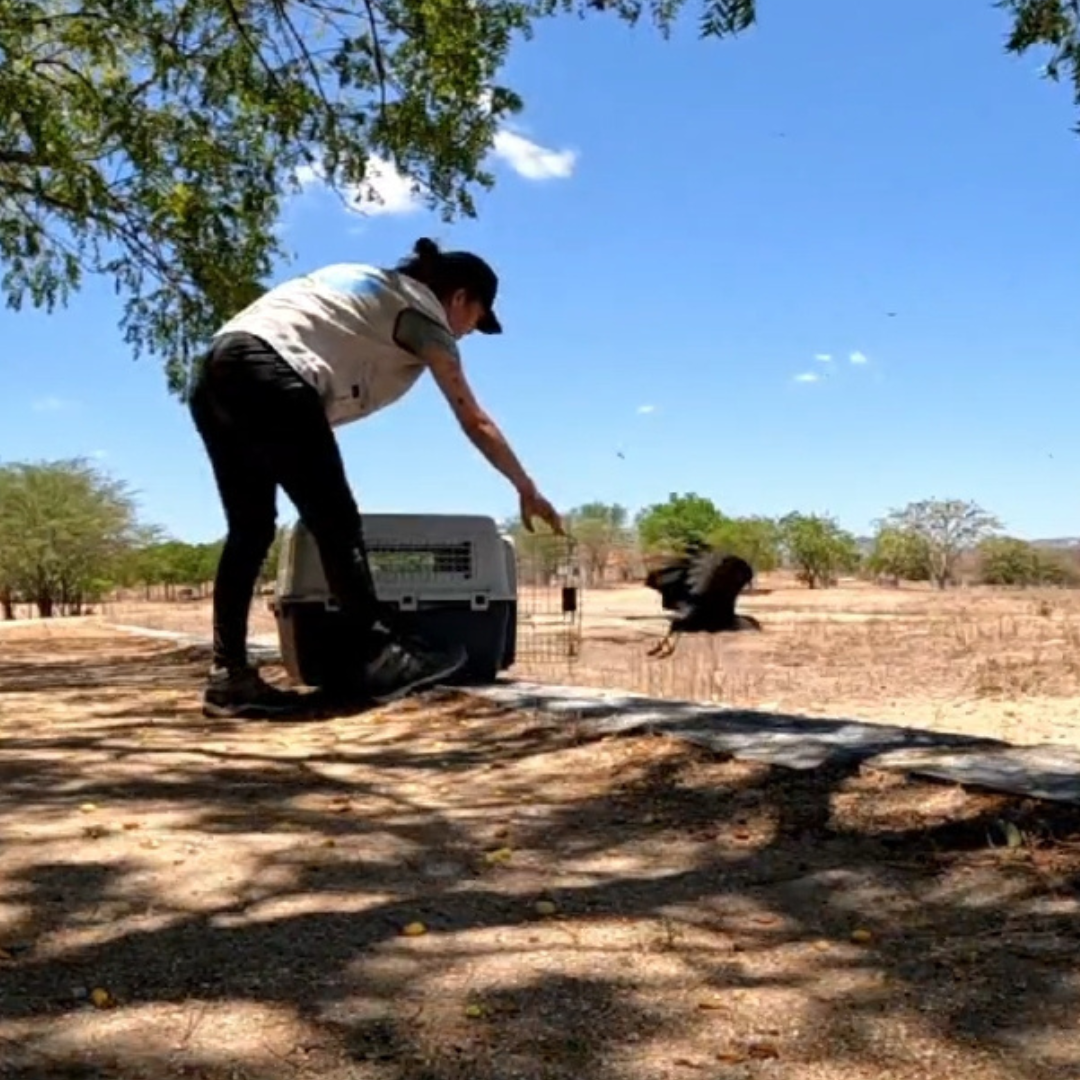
point(701, 224)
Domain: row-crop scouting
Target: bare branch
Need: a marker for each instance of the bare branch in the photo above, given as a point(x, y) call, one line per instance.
point(306, 57)
point(241, 29)
point(377, 55)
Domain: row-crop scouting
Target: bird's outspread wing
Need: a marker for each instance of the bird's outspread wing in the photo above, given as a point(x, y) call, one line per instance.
point(669, 581)
point(665, 576)
point(716, 579)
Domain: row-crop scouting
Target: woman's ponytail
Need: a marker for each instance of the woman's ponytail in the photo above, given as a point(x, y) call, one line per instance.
point(425, 262)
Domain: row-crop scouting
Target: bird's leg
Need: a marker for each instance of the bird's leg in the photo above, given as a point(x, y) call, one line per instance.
point(671, 640)
point(665, 647)
point(656, 649)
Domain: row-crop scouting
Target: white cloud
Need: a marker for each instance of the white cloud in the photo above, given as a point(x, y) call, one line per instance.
point(823, 357)
point(527, 158)
point(531, 160)
point(643, 409)
point(52, 404)
point(808, 376)
point(387, 192)
point(99, 455)
point(384, 191)
point(859, 358)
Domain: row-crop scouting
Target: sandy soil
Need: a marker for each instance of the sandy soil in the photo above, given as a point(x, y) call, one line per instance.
point(181, 898)
point(983, 662)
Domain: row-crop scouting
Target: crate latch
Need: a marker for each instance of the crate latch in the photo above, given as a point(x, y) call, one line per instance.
point(479, 602)
point(408, 603)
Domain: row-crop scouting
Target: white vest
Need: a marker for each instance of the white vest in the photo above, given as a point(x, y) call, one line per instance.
point(335, 328)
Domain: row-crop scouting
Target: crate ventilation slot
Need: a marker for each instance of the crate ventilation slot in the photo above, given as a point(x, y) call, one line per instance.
point(420, 562)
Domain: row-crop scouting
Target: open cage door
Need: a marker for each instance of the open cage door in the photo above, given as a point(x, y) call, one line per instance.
point(549, 627)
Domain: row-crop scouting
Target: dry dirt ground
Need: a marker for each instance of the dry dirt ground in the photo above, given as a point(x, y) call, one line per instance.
point(183, 898)
point(1004, 664)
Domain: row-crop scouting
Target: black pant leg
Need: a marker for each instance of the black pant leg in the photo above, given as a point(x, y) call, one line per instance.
point(248, 492)
point(281, 423)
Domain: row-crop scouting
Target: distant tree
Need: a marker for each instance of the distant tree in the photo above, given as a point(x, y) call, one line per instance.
point(169, 563)
point(9, 552)
point(818, 548)
point(684, 519)
point(1055, 568)
point(948, 527)
point(598, 529)
point(1006, 560)
point(269, 571)
point(540, 554)
point(755, 539)
point(65, 528)
point(900, 554)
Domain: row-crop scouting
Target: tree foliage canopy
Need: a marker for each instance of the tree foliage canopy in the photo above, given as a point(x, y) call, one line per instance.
point(64, 526)
point(70, 534)
point(899, 553)
point(153, 142)
point(818, 548)
point(682, 520)
point(1007, 560)
point(755, 539)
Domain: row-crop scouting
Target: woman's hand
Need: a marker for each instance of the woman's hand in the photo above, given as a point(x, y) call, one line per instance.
point(534, 505)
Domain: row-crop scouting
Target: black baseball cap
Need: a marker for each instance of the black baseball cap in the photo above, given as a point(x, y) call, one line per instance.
point(470, 272)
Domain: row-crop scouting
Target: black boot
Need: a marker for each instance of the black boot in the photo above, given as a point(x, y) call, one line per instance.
point(242, 692)
point(400, 664)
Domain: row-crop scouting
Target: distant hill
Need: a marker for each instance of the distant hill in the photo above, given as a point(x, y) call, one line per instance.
point(1056, 543)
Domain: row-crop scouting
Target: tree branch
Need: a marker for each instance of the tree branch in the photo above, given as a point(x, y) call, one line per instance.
point(110, 221)
point(20, 157)
point(283, 14)
point(377, 56)
point(241, 29)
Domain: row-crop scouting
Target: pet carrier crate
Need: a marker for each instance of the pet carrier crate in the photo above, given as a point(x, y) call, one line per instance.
point(451, 578)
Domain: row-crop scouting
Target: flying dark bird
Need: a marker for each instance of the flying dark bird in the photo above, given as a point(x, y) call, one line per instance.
point(701, 587)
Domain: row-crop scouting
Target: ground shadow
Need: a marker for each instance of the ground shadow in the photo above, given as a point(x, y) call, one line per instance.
point(806, 742)
point(242, 890)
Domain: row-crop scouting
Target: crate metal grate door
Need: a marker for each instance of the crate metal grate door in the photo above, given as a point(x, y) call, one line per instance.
point(548, 603)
